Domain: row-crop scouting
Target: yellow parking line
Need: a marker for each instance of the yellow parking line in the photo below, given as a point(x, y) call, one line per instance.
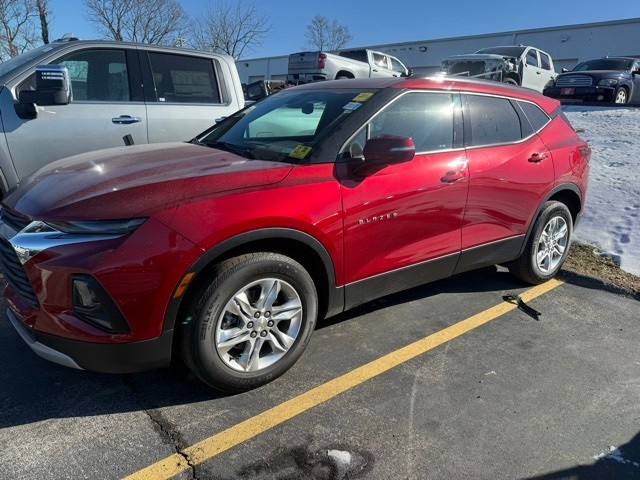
point(235, 435)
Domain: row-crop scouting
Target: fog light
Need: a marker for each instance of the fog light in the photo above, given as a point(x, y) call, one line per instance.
point(600, 98)
point(83, 295)
point(92, 304)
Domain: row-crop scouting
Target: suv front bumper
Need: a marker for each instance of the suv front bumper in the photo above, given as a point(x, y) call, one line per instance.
point(97, 357)
point(582, 94)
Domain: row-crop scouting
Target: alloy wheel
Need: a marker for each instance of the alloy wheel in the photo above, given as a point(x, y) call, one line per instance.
point(258, 325)
point(552, 244)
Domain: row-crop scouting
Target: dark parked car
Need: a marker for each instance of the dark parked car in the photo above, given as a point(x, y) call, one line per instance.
point(305, 204)
point(612, 80)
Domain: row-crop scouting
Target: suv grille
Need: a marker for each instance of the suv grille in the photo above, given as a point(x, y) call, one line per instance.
point(15, 274)
point(574, 81)
point(14, 221)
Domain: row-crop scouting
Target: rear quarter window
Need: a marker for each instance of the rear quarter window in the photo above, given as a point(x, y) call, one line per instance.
point(537, 118)
point(493, 121)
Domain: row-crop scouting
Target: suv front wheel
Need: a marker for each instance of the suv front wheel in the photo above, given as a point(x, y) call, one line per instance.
point(547, 247)
point(251, 323)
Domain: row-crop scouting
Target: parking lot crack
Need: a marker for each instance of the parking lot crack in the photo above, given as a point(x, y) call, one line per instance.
point(167, 431)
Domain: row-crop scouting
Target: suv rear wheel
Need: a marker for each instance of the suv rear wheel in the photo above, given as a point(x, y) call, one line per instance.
point(251, 323)
point(547, 247)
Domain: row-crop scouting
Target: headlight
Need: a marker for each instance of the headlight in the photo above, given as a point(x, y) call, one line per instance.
point(98, 227)
point(608, 82)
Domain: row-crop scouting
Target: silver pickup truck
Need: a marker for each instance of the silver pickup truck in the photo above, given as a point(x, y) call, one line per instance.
point(72, 96)
point(305, 67)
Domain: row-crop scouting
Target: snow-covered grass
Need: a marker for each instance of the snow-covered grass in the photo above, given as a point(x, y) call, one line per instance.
point(611, 220)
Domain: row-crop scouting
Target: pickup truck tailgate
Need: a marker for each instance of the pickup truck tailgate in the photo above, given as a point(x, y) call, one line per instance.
point(303, 61)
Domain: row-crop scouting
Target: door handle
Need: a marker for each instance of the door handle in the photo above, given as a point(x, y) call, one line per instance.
point(538, 73)
point(374, 70)
point(125, 119)
point(452, 177)
point(537, 157)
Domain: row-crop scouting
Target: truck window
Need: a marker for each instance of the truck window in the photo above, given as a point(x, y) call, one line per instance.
point(493, 121)
point(380, 60)
point(426, 118)
point(96, 75)
point(532, 58)
point(545, 60)
point(358, 55)
point(183, 79)
point(396, 66)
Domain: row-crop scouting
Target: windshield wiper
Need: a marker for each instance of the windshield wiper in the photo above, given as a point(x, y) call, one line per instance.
point(231, 147)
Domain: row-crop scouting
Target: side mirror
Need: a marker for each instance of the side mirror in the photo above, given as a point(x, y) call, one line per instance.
point(565, 70)
point(53, 87)
point(408, 73)
point(385, 150)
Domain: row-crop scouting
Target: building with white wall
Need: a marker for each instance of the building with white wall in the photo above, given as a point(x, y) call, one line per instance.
point(568, 45)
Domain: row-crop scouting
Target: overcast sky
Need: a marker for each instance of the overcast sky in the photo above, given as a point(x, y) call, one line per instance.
point(376, 22)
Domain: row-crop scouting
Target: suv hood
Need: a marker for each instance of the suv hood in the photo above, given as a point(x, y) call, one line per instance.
point(599, 73)
point(136, 181)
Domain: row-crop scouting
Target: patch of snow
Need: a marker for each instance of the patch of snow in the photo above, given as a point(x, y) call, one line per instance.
point(611, 218)
point(615, 454)
point(340, 457)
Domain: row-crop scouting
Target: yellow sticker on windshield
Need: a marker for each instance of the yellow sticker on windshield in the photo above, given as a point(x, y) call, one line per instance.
point(363, 97)
point(300, 152)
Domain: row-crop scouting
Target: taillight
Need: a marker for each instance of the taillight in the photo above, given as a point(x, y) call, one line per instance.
point(321, 58)
point(585, 151)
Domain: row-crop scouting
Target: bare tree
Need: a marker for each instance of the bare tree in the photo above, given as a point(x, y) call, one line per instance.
point(145, 21)
point(17, 32)
point(44, 13)
point(232, 28)
point(325, 34)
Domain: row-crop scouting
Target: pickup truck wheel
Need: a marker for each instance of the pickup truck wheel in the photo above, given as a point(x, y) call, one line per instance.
point(510, 81)
point(547, 247)
point(342, 77)
point(251, 323)
point(621, 95)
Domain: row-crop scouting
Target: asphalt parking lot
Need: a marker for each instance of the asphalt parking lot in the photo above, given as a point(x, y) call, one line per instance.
point(511, 397)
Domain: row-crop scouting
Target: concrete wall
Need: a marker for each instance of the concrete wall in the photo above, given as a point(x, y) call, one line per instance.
point(568, 45)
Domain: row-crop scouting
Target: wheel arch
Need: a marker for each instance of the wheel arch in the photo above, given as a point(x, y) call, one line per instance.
point(300, 246)
point(567, 193)
point(345, 73)
point(515, 76)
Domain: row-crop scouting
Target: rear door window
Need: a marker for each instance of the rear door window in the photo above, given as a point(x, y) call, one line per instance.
point(493, 121)
point(184, 79)
point(380, 60)
point(532, 58)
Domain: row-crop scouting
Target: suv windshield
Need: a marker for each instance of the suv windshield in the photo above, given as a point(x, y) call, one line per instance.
point(286, 125)
point(506, 51)
point(604, 64)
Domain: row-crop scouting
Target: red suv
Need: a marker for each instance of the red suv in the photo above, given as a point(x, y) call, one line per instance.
point(310, 202)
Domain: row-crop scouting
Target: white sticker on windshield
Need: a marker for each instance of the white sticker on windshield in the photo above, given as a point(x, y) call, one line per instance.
point(352, 106)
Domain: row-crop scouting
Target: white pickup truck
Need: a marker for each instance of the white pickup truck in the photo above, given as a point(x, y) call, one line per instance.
point(518, 65)
point(305, 67)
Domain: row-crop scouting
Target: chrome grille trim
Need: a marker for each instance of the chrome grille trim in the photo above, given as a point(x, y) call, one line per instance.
point(574, 81)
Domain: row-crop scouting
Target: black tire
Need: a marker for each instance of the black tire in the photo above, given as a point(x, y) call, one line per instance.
point(197, 332)
point(342, 77)
point(621, 93)
point(510, 81)
point(526, 267)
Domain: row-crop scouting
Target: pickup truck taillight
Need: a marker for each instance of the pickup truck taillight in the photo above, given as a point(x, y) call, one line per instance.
point(321, 58)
